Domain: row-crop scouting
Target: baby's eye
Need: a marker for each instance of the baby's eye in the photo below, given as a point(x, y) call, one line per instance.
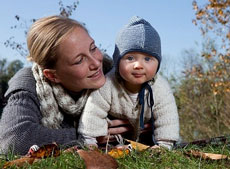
point(130, 58)
point(147, 59)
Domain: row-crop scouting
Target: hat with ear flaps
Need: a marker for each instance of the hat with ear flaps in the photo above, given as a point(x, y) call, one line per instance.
point(137, 36)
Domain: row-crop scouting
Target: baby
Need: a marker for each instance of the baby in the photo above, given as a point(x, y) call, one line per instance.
point(133, 91)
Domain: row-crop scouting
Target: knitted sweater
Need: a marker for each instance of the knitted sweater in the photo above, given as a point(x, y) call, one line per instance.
point(113, 99)
point(20, 124)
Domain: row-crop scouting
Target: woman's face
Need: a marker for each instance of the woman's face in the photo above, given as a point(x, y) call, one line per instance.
point(79, 64)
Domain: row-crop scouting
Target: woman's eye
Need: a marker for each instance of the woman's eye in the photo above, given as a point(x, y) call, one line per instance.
point(93, 48)
point(79, 60)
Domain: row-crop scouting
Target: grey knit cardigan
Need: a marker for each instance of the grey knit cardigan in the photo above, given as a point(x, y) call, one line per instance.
point(20, 124)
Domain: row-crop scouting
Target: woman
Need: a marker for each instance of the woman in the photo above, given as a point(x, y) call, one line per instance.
point(45, 101)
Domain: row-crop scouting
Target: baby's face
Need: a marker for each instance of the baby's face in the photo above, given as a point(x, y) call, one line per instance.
point(136, 68)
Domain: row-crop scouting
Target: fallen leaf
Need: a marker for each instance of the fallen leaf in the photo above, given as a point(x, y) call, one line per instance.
point(46, 151)
point(96, 160)
point(43, 152)
point(215, 156)
point(206, 156)
point(118, 153)
point(137, 146)
point(19, 162)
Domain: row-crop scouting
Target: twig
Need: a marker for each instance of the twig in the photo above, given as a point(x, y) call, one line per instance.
point(107, 143)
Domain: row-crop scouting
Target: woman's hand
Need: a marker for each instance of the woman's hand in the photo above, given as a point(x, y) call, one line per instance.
point(148, 128)
point(115, 127)
point(120, 127)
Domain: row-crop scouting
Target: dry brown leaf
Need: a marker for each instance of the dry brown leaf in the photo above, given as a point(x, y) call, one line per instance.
point(215, 156)
point(19, 162)
point(137, 146)
point(43, 152)
point(96, 160)
point(206, 156)
point(46, 151)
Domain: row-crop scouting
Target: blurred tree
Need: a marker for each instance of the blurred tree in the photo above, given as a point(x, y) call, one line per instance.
point(20, 47)
point(213, 20)
point(204, 91)
point(6, 72)
point(198, 106)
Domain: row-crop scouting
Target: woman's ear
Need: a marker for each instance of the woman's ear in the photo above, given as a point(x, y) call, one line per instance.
point(51, 75)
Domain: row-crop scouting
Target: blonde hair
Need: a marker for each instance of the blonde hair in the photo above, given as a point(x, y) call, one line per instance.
point(44, 37)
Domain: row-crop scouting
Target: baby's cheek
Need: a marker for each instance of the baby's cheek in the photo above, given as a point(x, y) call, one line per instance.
point(124, 73)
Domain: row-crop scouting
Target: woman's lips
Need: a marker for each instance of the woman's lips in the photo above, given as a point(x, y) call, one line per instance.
point(97, 74)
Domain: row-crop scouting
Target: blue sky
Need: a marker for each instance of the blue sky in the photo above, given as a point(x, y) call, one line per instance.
point(171, 18)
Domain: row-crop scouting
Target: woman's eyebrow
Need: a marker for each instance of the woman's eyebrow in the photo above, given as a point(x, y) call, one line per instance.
point(79, 54)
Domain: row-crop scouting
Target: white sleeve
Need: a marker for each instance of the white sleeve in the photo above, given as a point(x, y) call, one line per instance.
point(166, 144)
point(165, 112)
point(89, 140)
point(93, 121)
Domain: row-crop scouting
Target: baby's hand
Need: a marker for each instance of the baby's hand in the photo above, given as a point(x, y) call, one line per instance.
point(155, 147)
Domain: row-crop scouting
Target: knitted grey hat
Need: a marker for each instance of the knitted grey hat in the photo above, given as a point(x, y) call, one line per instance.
point(137, 36)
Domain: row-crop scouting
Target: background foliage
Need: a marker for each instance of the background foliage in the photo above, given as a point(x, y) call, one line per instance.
point(6, 72)
point(204, 90)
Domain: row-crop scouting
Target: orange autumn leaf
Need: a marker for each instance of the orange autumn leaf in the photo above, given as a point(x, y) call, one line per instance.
point(137, 146)
point(118, 153)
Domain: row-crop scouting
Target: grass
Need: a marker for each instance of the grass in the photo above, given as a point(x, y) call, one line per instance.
point(174, 159)
point(158, 158)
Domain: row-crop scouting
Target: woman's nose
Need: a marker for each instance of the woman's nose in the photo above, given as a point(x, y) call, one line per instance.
point(95, 62)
